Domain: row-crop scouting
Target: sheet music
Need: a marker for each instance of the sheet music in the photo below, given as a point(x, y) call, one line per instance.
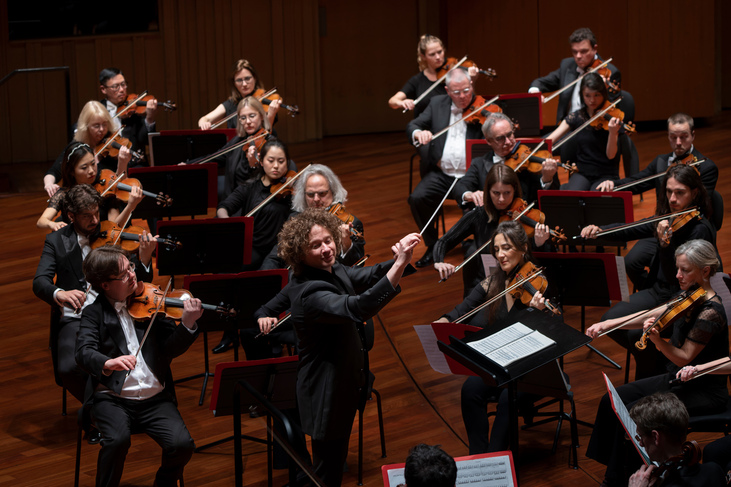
point(479, 472)
point(436, 358)
point(622, 275)
point(623, 415)
point(511, 344)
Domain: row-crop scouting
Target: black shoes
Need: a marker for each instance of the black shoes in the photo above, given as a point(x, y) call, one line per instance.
point(427, 259)
point(223, 345)
point(93, 436)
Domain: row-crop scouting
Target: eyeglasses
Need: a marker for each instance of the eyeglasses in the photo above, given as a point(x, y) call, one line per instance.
point(245, 79)
point(321, 194)
point(126, 278)
point(466, 91)
point(117, 87)
point(251, 116)
point(501, 139)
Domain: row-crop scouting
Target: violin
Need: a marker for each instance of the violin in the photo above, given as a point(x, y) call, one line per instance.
point(678, 222)
point(338, 210)
point(602, 123)
point(530, 219)
point(476, 115)
point(257, 139)
point(109, 146)
point(266, 99)
point(450, 62)
point(283, 187)
point(677, 309)
point(109, 184)
point(138, 104)
point(143, 304)
point(690, 455)
point(605, 73)
point(531, 282)
point(128, 238)
point(523, 157)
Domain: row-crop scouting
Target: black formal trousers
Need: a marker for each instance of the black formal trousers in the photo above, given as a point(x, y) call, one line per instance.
point(425, 200)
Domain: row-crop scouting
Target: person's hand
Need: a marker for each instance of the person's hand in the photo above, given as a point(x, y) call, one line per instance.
point(51, 189)
point(403, 250)
point(654, 335)
point(589, 231)
point(408, 104)
point(56, 226)
point(148, 243)
point(204, 124)
point(443, 319)
point(125, 155)
point(664, 233)
point(135, 196)
point(150, 110)
point(538, 301)
point(614, 125)
point(423, 137)
point(252, 156)
point(594, 330)
point(550, 167)
point(606, 186)
point(266, 324)
point(643, 477)
point(274, 107)
point(192, 310)
point(687, 373)
point(445, 270)
point(124, 362)
point(73, 299)
point(473, 71)
point(541, 234)
point(476, 197)
point(345, 239)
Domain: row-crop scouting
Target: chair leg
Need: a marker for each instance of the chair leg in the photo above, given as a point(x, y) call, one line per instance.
point(411, 171)
point(360, 447)
point(380, 422)
point(626, 366)
point(79, 435)
point(63, 402)
point(574, 436)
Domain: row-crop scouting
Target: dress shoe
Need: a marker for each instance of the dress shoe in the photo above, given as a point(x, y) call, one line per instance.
point(93, 436)
point(427, 259)
point(223, 345)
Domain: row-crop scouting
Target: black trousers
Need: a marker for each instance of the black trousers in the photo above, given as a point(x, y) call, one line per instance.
point(639, 257)
point(158, 417)
point(328, 458)
point(73, 377)
point(425, 198)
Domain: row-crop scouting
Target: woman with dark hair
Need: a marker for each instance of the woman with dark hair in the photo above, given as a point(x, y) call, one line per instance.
point(511, 248)
point(597, 155)
point(244, 82)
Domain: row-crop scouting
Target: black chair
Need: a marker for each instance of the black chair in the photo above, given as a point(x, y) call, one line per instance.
point(717, 206)
point(369, 340)
point(627, 105)
point(713, 423)
point(630, 158)
point(53, 345)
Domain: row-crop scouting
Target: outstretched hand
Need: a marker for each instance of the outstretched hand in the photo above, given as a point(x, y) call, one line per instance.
point(403, 250)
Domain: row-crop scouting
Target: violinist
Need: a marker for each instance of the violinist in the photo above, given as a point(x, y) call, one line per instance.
point(63, 252)
point(503, 189)
point(698, 335)
point(244, 82)
point(131, 387)
point(583, 54)
point(136, 127)
point(499, 132)
point(445, 157)
point(94, 125)
point(682, 190)
point(511, 249)
point(597, 154)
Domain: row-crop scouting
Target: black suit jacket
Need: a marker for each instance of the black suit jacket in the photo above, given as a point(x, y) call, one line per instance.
point(564, 75)
point(435, 118)
point(328, 311)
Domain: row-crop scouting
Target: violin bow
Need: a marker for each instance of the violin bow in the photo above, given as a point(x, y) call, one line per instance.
point(121, 230)
point(132, 104)
point(439, 205)
point(654, 176)
point(109, 141)
point(235, 113)
point(86, 293)
point(726, 361)
point(269, 198)
point(476, 110)
point(237, 145)
point(586, 124)
point(487, 243)
point(115, 181)
point(640, 222)
point(152, 320)
point(436, 83)
point(517, 168)
point(554, 95)
point(499, 295)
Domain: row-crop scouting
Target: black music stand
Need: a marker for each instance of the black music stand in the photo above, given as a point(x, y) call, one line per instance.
point(245, 291)
point(586, 279)
point(208, 246)
point(526, 109)
point(193, 189)
point(567, 340)
point(170, 147)
point(573, 210)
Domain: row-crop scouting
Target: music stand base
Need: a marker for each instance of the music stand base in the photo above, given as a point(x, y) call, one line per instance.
point(604, 357)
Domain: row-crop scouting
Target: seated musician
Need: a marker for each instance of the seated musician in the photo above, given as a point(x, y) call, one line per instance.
point(662, 427)
point(131, 386)
point(503, 188)
point(584, 52)
point(682, 190)
point(244, 82)
point(429, 466)
point(94, 125)
point(512, 250)
point(499, 133)
point(63, 253)
point(698, 335)
point(597, 153)
point(445, 157)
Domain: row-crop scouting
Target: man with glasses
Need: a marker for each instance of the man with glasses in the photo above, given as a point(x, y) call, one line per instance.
point(136, 127)
point(63, 254)
point(444, 158)
point(131, 387)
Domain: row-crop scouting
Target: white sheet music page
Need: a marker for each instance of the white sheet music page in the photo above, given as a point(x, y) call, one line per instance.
point(623, 415)
point(512, 343)
point(478, 472)
point(622, 275)
point(436, 358)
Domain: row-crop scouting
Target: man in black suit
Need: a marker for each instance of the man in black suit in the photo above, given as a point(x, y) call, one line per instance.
point(329, 304)
point(63, 254)
point(444, 157)
point(131, 391)
point(584, 52)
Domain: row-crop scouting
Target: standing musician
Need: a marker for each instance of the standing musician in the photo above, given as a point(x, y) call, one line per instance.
point(63, 253)
point(244, 82)
point(131, 387)
point(584, 53)
point(136, 127)
point(499, 132)
point(682, 190)
point(699, 335)
point(503, 188)
point(79, 167)
point(330, 302)
point(597, 154)
point(94, 125)
point(445, 156)
point(511, 248)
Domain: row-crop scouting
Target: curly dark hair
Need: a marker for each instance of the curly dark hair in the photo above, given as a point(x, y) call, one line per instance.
point(429, 466)
point(294, 238)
